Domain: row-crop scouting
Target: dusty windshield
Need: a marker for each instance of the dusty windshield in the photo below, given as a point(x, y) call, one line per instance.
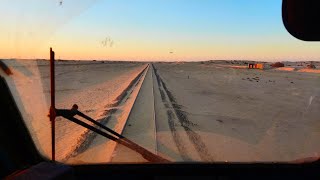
point(184, 81)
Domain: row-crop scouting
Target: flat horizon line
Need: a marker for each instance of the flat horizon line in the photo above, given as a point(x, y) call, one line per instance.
point(95, 60)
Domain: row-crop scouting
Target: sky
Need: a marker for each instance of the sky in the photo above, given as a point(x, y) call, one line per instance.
point(159, 30)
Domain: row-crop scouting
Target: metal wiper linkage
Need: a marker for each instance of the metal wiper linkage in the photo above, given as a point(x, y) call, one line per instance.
point(70, 114)
point(114, 136)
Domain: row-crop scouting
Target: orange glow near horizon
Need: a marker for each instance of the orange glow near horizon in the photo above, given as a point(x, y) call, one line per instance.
point(128, 50)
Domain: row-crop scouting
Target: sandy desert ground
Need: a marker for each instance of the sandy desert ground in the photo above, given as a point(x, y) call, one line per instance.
point(94, 86)
point(235, 114)
point(214, 111)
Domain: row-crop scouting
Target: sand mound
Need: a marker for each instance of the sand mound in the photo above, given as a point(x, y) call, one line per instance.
point(286, 69)
point(310, 70)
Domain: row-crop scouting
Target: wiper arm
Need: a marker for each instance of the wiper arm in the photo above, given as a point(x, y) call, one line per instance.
point(95, 122)
point(69, 115)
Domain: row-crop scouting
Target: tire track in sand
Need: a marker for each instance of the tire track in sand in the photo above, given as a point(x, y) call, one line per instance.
point(194, 137)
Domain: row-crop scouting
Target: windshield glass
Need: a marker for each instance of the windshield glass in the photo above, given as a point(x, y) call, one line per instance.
point(186, 81)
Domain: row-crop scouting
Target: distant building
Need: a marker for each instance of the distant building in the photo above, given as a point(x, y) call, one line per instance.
point(277, 64)
point(255, 66)
point(311, 66)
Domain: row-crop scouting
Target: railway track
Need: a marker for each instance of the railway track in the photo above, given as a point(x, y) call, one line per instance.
point(152, 119)
point(157, 123)
point(169, 120)
point(141, 123)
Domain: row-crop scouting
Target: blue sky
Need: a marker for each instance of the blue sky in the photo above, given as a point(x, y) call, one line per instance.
point(149, 30)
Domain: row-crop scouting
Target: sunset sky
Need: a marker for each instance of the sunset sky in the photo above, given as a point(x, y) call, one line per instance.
point(149, 30)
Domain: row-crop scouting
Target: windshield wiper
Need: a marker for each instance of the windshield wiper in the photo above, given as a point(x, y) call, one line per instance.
point(114, 136)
